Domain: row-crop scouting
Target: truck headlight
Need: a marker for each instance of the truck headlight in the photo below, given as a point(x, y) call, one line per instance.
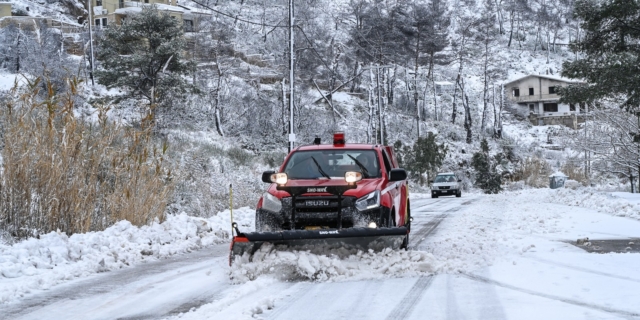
point(271, 202)
point(370, 201)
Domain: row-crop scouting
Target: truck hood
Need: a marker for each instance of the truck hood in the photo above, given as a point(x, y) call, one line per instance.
point(364, 187)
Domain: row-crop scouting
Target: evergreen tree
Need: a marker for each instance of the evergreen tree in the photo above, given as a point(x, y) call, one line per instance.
point(609, 53)
point(427, 156)
point(145, 55)
point(487, 178)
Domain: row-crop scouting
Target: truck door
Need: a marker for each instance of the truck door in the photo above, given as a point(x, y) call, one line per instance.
point(393, 188)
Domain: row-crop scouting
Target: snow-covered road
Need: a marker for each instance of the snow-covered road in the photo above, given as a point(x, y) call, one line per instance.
point(476, 257)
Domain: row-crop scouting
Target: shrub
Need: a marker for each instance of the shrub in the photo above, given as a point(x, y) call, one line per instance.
point(534, 171)
point(487, 178)
point(60, 173)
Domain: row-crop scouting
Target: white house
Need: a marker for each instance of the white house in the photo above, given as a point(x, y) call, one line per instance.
point(538, 96)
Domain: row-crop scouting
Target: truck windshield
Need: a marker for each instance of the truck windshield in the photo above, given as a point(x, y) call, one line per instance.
point(334, 163)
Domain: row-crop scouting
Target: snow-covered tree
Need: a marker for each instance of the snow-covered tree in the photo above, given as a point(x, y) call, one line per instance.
point(145, 55)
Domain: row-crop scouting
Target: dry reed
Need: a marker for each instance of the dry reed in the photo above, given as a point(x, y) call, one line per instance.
point(61, 173)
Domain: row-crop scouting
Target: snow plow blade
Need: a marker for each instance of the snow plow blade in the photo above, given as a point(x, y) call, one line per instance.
point(320, 240)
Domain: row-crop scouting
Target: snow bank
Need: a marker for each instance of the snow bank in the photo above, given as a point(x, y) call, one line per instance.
point(587, 198)
point(35, 264)
point(301, 265)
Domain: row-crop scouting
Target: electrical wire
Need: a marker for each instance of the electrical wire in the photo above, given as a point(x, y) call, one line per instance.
point(237, 18)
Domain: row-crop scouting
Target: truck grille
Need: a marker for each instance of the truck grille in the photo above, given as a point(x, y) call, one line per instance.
point(321, 203)
point(444, 188)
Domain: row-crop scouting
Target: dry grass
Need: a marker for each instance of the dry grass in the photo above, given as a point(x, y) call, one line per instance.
point(534, 172)
point(60, 173)
point(574, 172)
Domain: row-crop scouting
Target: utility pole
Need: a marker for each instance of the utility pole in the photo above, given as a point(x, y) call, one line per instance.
point(91, 42)
point(292, 136)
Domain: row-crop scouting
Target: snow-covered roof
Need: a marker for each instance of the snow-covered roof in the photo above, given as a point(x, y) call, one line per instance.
point(556, 78)
point(136, 7)
point(196, 10)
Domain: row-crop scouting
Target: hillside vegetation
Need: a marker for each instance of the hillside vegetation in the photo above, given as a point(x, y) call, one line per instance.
point(215, 112)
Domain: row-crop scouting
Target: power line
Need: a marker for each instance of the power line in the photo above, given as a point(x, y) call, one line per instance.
point(239, 19)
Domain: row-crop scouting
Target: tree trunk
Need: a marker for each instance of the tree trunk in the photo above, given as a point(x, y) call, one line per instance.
point(455, 95)
point(216, 100)
point(511, 16)
point(485, 105)
point(415, 83)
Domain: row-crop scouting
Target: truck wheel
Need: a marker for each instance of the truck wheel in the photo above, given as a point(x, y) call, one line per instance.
point(459, 194)
point(433, 196)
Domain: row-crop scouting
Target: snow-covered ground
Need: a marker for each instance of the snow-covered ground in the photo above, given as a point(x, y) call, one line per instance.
point(39, 264)
point(508, 256)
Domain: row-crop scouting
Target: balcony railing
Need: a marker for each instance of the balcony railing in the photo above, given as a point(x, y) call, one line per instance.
point(536, 97)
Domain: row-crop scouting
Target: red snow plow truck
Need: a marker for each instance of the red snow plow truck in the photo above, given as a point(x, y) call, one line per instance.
point(332, 196)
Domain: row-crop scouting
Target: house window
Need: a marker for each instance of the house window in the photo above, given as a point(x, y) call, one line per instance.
point(572, 107)
point(516, 92)
point(104, 22)
point(552, 90)
point(532, 108)
point(146, 1)
point(530, 91)
point(121, 4)
point(188, 25)
point(98, 3)
point(97, 23)
point(550, 107)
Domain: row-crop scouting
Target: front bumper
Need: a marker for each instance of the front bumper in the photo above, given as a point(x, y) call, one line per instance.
point(327, 217)
point(447, 192)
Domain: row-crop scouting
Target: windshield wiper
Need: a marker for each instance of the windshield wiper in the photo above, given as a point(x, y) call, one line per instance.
point(365, 172)
point(324, 174)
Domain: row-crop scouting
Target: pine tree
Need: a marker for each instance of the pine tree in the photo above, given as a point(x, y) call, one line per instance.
point(609, 53)
point(145, 55)
point(487, 178)
point(427, 155)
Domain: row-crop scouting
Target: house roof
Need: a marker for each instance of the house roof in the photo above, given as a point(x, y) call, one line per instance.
point(196, 10)
point(556, 78)
point(135, 7)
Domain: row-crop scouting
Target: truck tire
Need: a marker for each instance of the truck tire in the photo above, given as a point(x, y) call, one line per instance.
point(434, 196)
point(459, 194)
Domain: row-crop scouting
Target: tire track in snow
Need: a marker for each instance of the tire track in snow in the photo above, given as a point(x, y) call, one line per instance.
point(427, 230)
point(111, 281)
point(408, 303)
point(289, 300)
point(552, 297)
point(581, 269)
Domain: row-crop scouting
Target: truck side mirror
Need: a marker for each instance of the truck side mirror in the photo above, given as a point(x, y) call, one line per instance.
point(430, 181)
point(459, 180)
point(266, 176)
point(397, 175)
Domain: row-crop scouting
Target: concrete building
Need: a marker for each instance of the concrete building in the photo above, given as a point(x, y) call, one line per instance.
point(5, 9)
point(537, 96)
point(108, 12)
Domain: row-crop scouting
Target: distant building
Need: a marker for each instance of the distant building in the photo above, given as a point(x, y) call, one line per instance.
point(444, 87)
point(5, 9)
point(109, 12)
point(537, 95)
